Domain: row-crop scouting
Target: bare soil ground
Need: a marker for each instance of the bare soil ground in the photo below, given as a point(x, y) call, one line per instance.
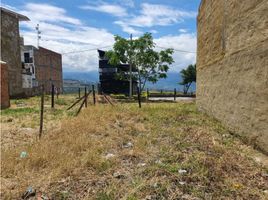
point(161, 151)
point(20, 123)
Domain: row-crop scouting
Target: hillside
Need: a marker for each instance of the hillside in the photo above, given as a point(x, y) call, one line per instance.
point(169, 83)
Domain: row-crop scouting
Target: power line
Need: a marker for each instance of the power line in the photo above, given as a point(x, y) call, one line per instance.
point(183, 51)
point(80, 51)
point(87, 44)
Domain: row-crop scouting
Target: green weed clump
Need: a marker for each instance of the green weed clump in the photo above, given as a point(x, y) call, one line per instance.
point(19, 111)
point(61, 101)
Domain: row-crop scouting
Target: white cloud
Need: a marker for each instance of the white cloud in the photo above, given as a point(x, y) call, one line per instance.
point(152, 15)
point(128, 3)
point(185, 42)
point(156, 14)
point(128, 29)
point(153, 31)
point(62, 33)
point(183, 30)
point(9, 7)
point(112, 9)
point(49, 13)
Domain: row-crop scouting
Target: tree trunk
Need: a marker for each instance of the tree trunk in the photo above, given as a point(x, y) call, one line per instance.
point(186, 88)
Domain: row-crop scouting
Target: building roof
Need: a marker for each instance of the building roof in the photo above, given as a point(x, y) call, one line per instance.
point(30, 46)
point(41, 48)
point(17, 15)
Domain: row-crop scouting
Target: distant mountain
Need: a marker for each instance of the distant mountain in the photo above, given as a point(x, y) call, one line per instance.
point(82, 76)
point(171, 82)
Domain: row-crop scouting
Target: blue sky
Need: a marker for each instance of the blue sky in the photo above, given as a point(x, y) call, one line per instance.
point(71, 26)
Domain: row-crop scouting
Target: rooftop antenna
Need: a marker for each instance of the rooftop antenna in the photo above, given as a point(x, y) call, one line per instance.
point(38, 32)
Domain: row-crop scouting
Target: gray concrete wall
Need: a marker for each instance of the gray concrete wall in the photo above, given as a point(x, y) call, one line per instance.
point(232, 66)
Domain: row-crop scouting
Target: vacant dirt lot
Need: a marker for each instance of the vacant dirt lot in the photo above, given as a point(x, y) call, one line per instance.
point(162, 151)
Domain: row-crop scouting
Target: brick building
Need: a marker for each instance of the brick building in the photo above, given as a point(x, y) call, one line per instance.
point(42, 67)
point(10, 48)
point(4, 86)
point(232, 66)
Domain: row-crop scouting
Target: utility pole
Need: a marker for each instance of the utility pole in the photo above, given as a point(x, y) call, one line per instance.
point(130, 71)
point(38, 35)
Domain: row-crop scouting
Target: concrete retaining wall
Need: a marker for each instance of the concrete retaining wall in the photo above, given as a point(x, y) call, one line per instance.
point(232, 66)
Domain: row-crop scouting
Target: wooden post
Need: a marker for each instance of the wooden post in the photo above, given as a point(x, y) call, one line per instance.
point(41, 111)
point(94, 96)
point(175, 94)
point(107, 99)
point(148, 94)
point(84, 101)
point(57, 92)
point(85, 96)
point(99, 89)
point(139, 96)
point(130, 70)
point(52, 95)
point(79, 93)
point(77, 101)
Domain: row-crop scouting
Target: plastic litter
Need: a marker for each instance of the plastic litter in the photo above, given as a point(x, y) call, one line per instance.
point(30, 192)
point(182, 171)
point(23, 154)
point(128, 145)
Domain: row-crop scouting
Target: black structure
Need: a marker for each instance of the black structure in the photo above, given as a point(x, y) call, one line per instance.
point(109, 81)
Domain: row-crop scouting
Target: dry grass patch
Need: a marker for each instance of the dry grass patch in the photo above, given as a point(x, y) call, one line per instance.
point(162, 151)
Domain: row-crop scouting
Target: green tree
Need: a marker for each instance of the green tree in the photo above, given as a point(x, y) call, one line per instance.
point(148, 64)
point(188, 77)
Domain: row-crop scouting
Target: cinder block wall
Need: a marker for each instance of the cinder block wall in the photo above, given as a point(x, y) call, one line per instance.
point(5, 103)
point(10, 52)
point(232, 66)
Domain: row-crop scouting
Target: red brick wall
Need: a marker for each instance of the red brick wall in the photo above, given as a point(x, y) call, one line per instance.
point(48, 66)
point(4, 87)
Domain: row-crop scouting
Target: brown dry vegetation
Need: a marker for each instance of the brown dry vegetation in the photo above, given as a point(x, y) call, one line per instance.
point(87, 158)
point(20, 123)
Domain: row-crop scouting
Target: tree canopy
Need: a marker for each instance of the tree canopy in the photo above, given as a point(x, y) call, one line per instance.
point(148, 64)
point(188, 77)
